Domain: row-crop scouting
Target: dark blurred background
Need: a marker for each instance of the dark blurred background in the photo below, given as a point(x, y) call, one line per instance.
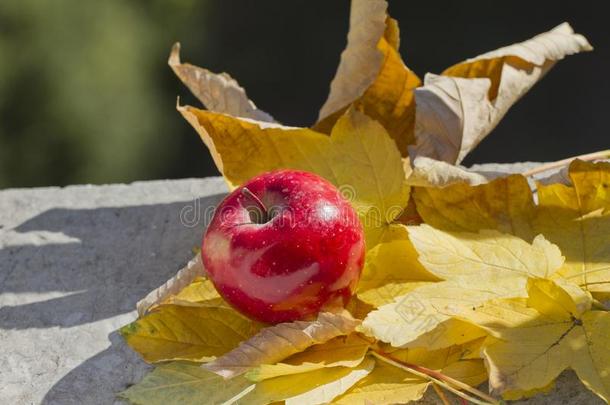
point(86, 95)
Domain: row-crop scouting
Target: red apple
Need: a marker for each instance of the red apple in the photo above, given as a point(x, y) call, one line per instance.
point(284, 246)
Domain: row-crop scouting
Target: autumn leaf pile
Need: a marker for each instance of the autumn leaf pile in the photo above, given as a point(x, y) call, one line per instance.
point(470, 277)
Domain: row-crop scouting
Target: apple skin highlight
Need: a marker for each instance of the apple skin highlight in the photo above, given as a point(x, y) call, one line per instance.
point(302, 251)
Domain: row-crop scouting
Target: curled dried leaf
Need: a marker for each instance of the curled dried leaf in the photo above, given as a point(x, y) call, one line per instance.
point(361, 60)
point(457, 110)
point(372, 76)
point(276, 343)
point(218, 92)
point(174, 285)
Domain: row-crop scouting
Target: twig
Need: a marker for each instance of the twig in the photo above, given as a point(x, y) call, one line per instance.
point(441, 394)
point(603, 154)
point(439, 378)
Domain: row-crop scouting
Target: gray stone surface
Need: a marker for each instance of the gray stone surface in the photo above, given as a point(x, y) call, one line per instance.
point(73, 263)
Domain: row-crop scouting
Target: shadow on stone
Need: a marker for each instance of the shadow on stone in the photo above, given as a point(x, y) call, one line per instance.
point(99, 378)
point(111, 258)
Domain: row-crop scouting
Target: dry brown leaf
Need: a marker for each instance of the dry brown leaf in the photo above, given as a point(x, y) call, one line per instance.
point(457, 110)
point(276, 343)
point(218, 92)
point(372, 76)
point(427, 172)
point(173, 286)
point(361, 60)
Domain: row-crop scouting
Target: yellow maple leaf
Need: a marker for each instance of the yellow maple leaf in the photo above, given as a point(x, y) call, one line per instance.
point(386, 384)
point(539, 337)
point(315, 387)
point(391, 267)
point(575, 217)
point(185, 383)
point(189, 322)
point(449, 255)
point(359, 157)
point(471, 372)
point(475, 267)
point(194, 333)
point(513, 395)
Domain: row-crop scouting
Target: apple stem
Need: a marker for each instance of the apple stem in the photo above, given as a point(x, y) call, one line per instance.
point(257, 201)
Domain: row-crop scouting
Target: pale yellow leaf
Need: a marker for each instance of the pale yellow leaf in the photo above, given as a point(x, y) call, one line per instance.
point(391, 384)
point(433, 359)
point(388, 291)
point(315, 387)
point(451, 331)
point(201, 290)
point(217, 92)
point(525, 394)
point(185, 383)
point(386, 384)
point(477, 267)
point(194, 333)
point(344, 351)
point(452, 117)
point(174, 285)
point(575, 217)
point(591, 362)
point(471, 372)
point(457, 110)
point(448, 254)
point(557, 298)
point(275, 343)
point(392, 261)
point(534, 347)
point(423, 316)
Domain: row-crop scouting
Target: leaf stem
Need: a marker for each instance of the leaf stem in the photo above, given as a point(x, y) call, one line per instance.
point(603, 154)
point(438, 378)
